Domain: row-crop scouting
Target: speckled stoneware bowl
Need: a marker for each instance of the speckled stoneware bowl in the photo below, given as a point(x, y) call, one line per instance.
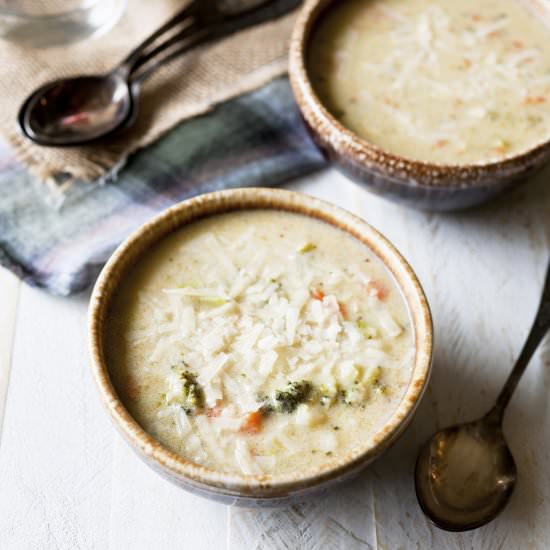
point(415, 183)
point(265, 489)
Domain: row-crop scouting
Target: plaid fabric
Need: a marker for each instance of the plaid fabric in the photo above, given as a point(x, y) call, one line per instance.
point(257, 139)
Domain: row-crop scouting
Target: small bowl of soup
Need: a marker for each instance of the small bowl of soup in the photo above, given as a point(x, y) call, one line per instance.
point(256, 346)
point(438, 105)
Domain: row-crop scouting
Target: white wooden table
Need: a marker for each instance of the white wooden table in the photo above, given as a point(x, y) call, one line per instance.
point(68, 481)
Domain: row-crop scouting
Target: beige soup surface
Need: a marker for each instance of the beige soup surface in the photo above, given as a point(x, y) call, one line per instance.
point(260, 343)
point(454, 82)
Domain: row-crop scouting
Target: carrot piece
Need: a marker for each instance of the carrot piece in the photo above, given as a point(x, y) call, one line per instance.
point(317, 294)
point(377, 290)
point(518, 44)
point(252, 423)
point(534, 100)
point(343, 310)
point(216, 410)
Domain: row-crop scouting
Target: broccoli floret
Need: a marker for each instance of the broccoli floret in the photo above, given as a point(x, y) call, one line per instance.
point(288, 399)
point(267, 405)
point(192, 393)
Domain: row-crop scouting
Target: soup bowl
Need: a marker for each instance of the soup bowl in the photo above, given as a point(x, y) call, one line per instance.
point(431, 186)
point(254, 490)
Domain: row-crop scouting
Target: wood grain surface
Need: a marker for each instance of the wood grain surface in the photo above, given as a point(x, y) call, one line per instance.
point(68, 481)
point(9, 293)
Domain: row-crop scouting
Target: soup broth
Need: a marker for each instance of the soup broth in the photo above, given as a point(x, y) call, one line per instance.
point(263, 342)
point(455, 82)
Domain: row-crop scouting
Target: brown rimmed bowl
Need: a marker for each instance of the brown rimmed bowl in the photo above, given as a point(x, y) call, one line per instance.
point(268, 490)
point(437, 187)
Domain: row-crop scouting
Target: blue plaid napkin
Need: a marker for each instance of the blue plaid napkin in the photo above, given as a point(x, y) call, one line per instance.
point(256, 139)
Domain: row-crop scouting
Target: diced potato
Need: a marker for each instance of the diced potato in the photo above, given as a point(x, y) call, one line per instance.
point(367, 330)
point(309, 416)
point(391, 328)
point(348, 373)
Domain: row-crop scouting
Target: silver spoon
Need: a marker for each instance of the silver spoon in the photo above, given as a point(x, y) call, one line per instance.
point(465, 474)
point(78, 110)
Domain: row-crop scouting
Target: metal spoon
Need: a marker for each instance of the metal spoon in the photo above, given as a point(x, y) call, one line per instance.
point(465, 474)
point(74, 111)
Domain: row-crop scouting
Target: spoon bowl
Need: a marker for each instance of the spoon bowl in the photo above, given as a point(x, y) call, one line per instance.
point(76, 110)
point(465, 475)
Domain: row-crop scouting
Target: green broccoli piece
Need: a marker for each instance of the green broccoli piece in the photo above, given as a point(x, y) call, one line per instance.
point(288, 399)
point(192, 393)
point(267, 405)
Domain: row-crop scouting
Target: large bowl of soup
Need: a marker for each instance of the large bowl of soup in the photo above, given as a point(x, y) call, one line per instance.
point(438, 105)
point(256, 346)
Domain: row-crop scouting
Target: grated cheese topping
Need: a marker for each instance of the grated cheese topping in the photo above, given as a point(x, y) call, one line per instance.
point(454, 82)
point(238, 339)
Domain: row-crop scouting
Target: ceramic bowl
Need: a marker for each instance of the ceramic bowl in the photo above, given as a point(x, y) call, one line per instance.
point(418, 184)
point(265, 489)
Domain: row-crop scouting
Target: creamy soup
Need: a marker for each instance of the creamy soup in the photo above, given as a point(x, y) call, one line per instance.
point(265, 342)
point(455, 82)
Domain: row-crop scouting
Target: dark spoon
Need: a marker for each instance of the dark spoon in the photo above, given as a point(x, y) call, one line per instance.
point(78, 110)
point(466, 473)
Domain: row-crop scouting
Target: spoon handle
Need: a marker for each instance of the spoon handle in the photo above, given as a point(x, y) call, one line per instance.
point(127, 64)
point(197, 16)
point(539, 329)
point(202, 30)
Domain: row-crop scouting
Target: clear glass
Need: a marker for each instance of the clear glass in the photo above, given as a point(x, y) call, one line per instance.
point(43, 23)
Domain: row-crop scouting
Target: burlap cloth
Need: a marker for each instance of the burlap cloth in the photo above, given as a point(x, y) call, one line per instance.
point(184, 88)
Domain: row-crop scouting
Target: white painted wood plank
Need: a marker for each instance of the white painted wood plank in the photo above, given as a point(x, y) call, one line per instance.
point(55, 458)
point(149, 512)
point(68, 481)
point(9, 293)
point(340, 519)
point(482, 272)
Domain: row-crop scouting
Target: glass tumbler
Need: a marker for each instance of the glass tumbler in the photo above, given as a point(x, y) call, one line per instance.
point(43, 23)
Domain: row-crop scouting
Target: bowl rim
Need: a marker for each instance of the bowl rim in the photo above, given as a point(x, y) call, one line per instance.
point(423, 174)
point(242, 199)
